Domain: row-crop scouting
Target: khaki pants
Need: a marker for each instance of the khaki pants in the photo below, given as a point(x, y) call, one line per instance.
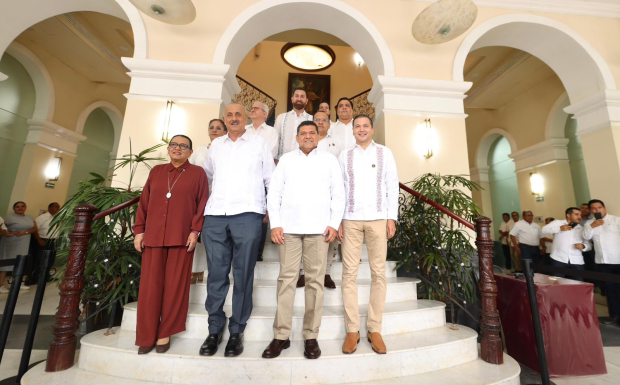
point(376, 239)
point(517, 264)
point(314, 250)
point(331, 254)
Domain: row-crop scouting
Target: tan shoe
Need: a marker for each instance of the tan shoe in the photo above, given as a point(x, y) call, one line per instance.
point(350, 343)
point(377, 343)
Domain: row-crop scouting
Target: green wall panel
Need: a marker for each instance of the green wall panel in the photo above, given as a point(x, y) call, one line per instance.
point(576, 162)
point(503, 182)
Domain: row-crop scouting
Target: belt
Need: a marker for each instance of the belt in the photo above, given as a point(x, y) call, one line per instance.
point(525, 244)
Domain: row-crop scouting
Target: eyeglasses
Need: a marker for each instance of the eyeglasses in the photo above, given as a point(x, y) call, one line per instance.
point(321, 120)
point(182, 146)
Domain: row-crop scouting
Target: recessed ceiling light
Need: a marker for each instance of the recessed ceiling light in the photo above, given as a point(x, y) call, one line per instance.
point(123, 48)
point(308, 57)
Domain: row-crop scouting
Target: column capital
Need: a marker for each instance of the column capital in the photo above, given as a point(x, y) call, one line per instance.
point(479, 174)
point(596, 112)
point(53, 137)
point(550, 151)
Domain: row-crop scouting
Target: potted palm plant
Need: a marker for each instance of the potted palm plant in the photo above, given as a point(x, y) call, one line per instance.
point(112, 271)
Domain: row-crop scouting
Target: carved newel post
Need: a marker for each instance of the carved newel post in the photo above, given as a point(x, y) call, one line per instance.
point(491, 343)
point(61, 353)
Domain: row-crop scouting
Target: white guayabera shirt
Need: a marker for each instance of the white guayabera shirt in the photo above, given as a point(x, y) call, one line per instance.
point(371, 183)
point(286, 125)
point(344, 133)
point(564, 249)
point(331, 145)
point(268, 133)
point(606, 239)
point(527, 233)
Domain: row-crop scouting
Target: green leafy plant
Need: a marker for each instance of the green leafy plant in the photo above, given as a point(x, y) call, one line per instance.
point(112, 270)
point(433, 245)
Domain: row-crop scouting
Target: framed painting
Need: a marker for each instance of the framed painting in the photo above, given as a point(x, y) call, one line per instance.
point(317, 88)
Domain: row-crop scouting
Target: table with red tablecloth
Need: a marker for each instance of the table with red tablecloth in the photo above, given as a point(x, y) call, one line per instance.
point(569, 322)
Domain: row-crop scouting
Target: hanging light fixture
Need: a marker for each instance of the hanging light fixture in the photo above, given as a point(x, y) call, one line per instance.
point(165, 135)
point(308, 57)
point(444, 20)
point(178, 12)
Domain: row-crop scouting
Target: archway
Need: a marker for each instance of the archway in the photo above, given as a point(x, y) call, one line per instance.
point(114, 114)
point(269, 17)
point(581, 69)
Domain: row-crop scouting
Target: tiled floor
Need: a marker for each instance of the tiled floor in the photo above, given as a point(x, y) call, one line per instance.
point(12, 355)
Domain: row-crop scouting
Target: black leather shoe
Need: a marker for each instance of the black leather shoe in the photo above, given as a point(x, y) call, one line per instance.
point(234, 347)
point(259, 258)
point(301, 281)
point(329, 282)
point(275, 348)
point(311, 349)
point(209, 347)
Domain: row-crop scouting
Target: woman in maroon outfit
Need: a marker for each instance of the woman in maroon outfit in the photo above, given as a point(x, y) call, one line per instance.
point(168, 223)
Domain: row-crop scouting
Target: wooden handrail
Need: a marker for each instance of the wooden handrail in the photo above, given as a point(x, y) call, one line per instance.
point(258, 89)
point(438, 207)
point(116, 208)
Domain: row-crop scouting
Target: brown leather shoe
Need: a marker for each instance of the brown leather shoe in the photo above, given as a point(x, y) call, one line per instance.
point(162, 348)
point(301, 282)
point(329, 283)
point(376, 341)
point(311, 349)
point(350, 343)
point(275, 348)
point(145, 349)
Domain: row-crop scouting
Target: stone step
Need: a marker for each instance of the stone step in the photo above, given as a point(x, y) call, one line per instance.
point(475, 372)
point(398, 290)
point(271, 253)
point(398, 317)
point(408, 354)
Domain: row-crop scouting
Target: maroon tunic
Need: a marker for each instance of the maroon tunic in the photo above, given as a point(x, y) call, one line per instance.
point(169, 221)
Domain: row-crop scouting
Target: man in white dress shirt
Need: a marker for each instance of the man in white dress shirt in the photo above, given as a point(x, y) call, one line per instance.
point(259, 127)
point(517, 263)
point(604, 231)
point(371, 188)
point(529, 237)
point(239, 166)
point(568, 242)
point(343, 128)
point(324, 107)
point(504, 230)
point(547, 244)
point(287, 123)
point(331, 145)
point(306, 204)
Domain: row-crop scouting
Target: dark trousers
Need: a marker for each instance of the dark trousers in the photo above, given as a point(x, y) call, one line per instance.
point(507, 259)
point(588, 259)
point(611, 289)
point(33, 266)
point(567, 266)
point(530, 252)
point(231, 241)
point(263, 237)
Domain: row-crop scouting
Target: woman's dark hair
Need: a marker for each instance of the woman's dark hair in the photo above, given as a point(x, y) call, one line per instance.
point(183, 136)
point(18, 202)
point(221, 121)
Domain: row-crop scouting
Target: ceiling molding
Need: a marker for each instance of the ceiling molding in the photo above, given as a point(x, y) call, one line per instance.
point(479, 174)
point(599, 111)
point(571, 7)
point(541, 154)
point(52, 136)
point(517, 59)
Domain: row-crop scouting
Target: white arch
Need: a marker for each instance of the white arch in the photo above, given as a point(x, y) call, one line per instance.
point(26, 13)
point(268, 17)
point(115, 115)
point(485, 143)
point(580, 67)
point(556, 120)
point(45, 98)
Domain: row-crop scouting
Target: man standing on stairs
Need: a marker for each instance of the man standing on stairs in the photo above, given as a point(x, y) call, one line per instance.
point(306, 203)
point(287, 123)
point(343, 128)
point(371, 187)
point(239, 165)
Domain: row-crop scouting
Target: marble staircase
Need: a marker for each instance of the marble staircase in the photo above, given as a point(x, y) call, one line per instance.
point(422, 349)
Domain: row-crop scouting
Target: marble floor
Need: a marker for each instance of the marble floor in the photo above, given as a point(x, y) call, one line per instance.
point(12, 354)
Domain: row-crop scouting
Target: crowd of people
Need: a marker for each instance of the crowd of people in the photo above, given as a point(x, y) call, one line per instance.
point(586, 239)
point(313, 182)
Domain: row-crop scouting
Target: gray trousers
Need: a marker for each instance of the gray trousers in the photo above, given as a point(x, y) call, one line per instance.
point(231, 240)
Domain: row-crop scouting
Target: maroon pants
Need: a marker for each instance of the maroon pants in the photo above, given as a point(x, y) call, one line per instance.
point(164, 293)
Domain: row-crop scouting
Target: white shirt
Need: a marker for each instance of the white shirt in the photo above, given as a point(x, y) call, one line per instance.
point(43, 225)
point(239, 172)
point(506, 227)
point(344, 133)
point(331, 145)
point(549, 245)
point(199, 156)
point(268, 133)
point(370, 182)
point(606, 240)
point(306, 193)
point(286, 127)
point(527, 233)
point(2, 225)
point(564, 249)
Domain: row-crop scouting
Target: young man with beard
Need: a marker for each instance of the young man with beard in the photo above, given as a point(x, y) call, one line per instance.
point(287, 123)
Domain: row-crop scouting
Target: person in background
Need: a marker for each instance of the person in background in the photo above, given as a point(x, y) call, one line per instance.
point(547, 244)
point(324, 107)
point(517, 264)
point(42, 240)
point(504, 230)
point(586, 214)
point(529, 237)
point(604, 231)
point(286, 123)
point(589, 256)
point(217, 128)
point(21, 227)
point(343, 128)
point(168, 222)
point(568, 242)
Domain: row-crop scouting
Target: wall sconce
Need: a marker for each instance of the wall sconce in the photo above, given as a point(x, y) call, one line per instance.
point(537, 184)
point(430, 137)
point(52, 172)
point(358, 59)
point(165, 136)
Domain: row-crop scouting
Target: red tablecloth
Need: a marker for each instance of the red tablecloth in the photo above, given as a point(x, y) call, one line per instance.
point(569, 324)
